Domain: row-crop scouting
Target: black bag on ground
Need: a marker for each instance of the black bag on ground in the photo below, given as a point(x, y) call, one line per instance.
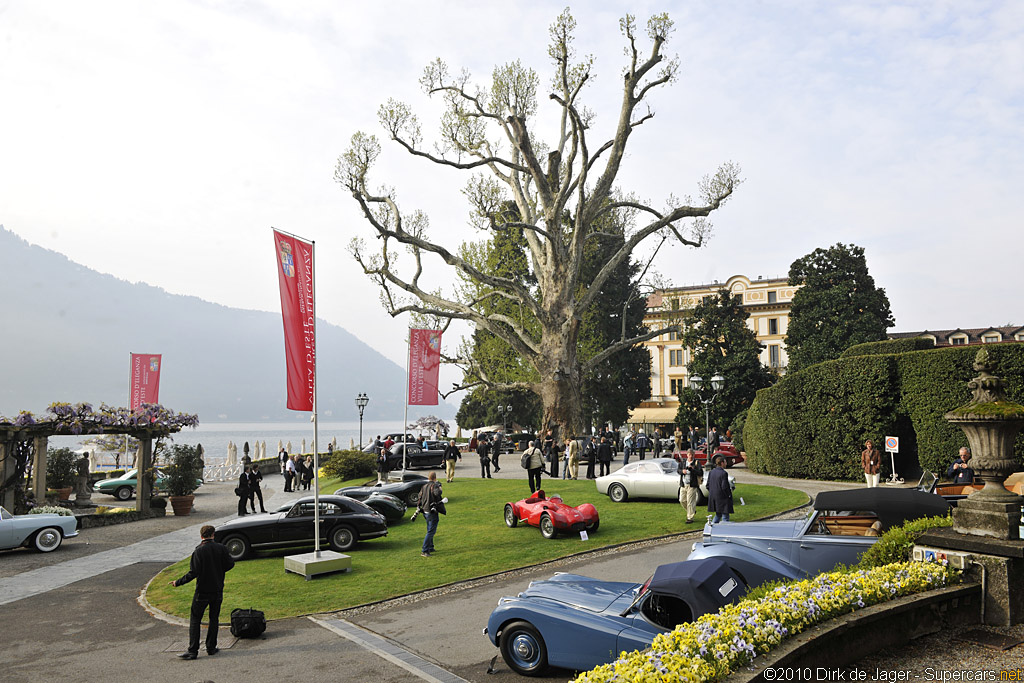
point(247, 623)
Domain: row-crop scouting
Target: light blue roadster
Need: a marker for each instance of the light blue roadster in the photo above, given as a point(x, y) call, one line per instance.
point(575, 622)
point(42, 532)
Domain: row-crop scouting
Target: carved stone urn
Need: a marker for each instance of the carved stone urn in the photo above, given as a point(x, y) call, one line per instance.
point(991, 423)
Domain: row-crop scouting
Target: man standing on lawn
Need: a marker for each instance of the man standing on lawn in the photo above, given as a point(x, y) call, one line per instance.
point(210, 562)
point(431, 505)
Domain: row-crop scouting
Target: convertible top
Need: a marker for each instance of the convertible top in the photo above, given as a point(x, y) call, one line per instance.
point(893, 506)
point(705, 584)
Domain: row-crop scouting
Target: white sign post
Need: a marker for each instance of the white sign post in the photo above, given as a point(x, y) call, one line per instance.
point(892, 447)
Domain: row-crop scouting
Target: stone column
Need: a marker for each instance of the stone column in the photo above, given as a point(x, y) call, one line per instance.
point(7, 469)
point(145, 462)
point(39, 444)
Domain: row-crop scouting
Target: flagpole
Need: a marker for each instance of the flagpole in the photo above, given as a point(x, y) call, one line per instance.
point(405, 418)
point(131, 374)
point(316, 424)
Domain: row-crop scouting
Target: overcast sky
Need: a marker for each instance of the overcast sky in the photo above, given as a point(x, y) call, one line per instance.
point(159, 142)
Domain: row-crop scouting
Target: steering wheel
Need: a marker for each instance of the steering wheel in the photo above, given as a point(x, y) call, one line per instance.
point(822, 527)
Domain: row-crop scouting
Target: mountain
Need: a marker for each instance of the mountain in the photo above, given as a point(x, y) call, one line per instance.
point(68, 332)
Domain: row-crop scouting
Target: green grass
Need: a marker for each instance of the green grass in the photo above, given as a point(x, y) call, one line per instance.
point(472, 540)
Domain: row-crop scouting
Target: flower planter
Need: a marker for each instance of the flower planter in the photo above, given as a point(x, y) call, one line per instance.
point(65, 493)
point(182, 505)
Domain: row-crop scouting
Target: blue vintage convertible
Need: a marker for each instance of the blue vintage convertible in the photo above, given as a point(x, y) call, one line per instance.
point(576, 622)
point(43, 532)
point(840, 526)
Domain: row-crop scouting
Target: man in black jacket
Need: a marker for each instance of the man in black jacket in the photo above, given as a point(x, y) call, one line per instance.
point(242, 491)
point(210, 562)
point(255, 489)
point(604, 457)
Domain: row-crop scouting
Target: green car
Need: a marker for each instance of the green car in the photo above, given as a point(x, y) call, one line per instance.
point(124, 486)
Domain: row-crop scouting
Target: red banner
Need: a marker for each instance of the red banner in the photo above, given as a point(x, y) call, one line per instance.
point(145, 379)
point(295, 276)
point(424, 362)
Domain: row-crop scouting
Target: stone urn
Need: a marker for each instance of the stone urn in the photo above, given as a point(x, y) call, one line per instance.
point(182, 505)
point(991, 423)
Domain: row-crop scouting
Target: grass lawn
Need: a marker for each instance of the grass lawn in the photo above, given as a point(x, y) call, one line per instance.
point(472, 540)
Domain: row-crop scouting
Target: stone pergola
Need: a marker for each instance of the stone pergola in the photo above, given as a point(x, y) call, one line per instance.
point(148, 423)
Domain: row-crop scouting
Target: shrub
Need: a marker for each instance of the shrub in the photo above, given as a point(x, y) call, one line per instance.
point(813, 422)
point(887, 346)
point(896, 543)
point(184, 470)
point(60, 467)
point(345, 465)
point(51, 510)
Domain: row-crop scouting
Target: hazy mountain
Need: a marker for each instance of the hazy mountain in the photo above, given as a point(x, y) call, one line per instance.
point(67, 333)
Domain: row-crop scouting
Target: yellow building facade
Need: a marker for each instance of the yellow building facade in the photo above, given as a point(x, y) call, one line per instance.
point(767, 301)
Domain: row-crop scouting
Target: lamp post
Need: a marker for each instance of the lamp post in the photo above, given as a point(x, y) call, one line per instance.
point(505, 412)
point(715, 385)
point(361, 401)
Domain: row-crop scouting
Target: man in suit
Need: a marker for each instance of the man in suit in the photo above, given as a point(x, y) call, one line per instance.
point(604, 456)
point(243, 490)
point(210, 562)
point(714, 441)
point(255, 491)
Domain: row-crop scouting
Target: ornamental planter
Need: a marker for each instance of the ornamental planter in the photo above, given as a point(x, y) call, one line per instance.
point(65, 492)
point(182, 505)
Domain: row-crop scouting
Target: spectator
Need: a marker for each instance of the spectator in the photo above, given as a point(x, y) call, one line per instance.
point(242, 490)
point(535, 465)
point(719, 492)
point(451, 454)
point(289, 473)
point(690, 474)
point(572, 450)
point(483, 450)
point(604, 456)
point(496, 445)
point(590, 456)
point(255, 488)
point(642, 443)
point(210, 562)
point(871, 461)
point(430, 503)
point(960, 471)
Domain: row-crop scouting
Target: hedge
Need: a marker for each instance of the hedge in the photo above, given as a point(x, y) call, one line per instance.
point(889, 346)
point(813, 423)
point(347, 465)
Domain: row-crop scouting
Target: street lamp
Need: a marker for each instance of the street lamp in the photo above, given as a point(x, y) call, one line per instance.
point(505, 412)
point(361, 401)
point(717, 382)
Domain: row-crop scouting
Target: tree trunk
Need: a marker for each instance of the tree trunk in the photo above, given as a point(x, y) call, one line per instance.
point(559, 386)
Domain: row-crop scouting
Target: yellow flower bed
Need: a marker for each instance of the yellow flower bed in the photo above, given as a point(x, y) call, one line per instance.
point(716, 645)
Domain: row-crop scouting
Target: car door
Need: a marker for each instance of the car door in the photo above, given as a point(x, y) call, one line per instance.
point(818, 551)
point(6, 529)
point(638, 633)
point(648, 481)
point(296, 525)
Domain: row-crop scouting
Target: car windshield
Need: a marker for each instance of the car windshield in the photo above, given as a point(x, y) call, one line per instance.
point(668, 467)
point(4, 514)
point(130, 474)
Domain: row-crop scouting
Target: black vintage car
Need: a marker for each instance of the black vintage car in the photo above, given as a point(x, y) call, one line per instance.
point(415, 457)
point(343, 522)
point(386, 504)
point(407, 489)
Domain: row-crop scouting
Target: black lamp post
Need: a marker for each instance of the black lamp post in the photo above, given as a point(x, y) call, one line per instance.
point(361, 401)
point(505, 412)
point(716, 384)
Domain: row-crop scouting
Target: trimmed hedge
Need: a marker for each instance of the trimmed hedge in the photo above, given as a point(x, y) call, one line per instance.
point(889, 346)
point(345, 465)
point(813, 423)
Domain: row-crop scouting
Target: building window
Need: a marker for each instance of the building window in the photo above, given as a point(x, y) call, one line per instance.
point(673, 336)
point(674, 304)
point(990, 338)
point(772, 299)
point(675, 358)
point(677, 386)
point(773, 356)
point(773, 325)
point(1020, 336)
point(958, 341)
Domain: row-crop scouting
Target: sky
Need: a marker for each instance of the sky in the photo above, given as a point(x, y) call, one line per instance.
point(160, 142)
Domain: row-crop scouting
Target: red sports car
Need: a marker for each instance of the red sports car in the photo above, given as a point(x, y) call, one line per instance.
point(725, 449)
point(552, 515)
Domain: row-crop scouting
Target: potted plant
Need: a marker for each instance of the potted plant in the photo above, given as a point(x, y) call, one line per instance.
point(61, 470)
point(182, 477)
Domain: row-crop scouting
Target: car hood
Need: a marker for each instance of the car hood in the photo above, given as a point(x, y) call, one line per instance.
point(582, 592)
point(249, 520)
point(784, 528)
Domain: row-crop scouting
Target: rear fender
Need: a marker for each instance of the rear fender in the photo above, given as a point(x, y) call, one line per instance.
point(753, 567)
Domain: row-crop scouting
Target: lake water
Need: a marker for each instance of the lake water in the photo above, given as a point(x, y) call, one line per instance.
point(215, 437)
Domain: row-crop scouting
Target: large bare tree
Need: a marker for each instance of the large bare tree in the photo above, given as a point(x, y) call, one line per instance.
point(562, 192)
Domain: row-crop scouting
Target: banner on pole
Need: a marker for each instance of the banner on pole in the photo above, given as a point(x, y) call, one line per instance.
point(295, 276)
point(144, 382)
point(424, 363)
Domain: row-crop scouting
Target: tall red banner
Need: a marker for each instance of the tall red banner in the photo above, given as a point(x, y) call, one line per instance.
point(424, 362)
point(295, 276)
point(144, 382)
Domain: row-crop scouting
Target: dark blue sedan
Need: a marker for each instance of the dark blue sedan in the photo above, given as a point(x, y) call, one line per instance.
point(575, 622)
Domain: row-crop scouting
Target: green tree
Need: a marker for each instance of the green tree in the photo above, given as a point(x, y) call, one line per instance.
point(837, 305)
point(561, 187)
point(721, 343)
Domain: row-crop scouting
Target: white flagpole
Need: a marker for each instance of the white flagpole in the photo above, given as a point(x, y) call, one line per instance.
point(316, 453)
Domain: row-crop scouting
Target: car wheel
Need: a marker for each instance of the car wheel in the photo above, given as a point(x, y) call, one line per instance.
point(547, 527)
point(343, 538)
point(412, 498)
point(594, 527)
point(123, 492)
point(617, 492)
point(238, 547)
point(510, 517)
point(523, 649)
point(47, 539)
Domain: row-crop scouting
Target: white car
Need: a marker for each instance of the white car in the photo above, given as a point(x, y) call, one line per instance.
point(657, 478)
point(43, 532)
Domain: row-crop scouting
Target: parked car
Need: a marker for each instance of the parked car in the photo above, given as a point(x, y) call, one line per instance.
point(44, 532)
point(954, 493)
point(123, 487)
point(839, 527)
point(552, 515)
point(343, 522)
point(406, 490)
point(656, 478)
point(415, 456)
point(519, 441)
point(386, 504)
point(725, 450)
point(576, 622)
